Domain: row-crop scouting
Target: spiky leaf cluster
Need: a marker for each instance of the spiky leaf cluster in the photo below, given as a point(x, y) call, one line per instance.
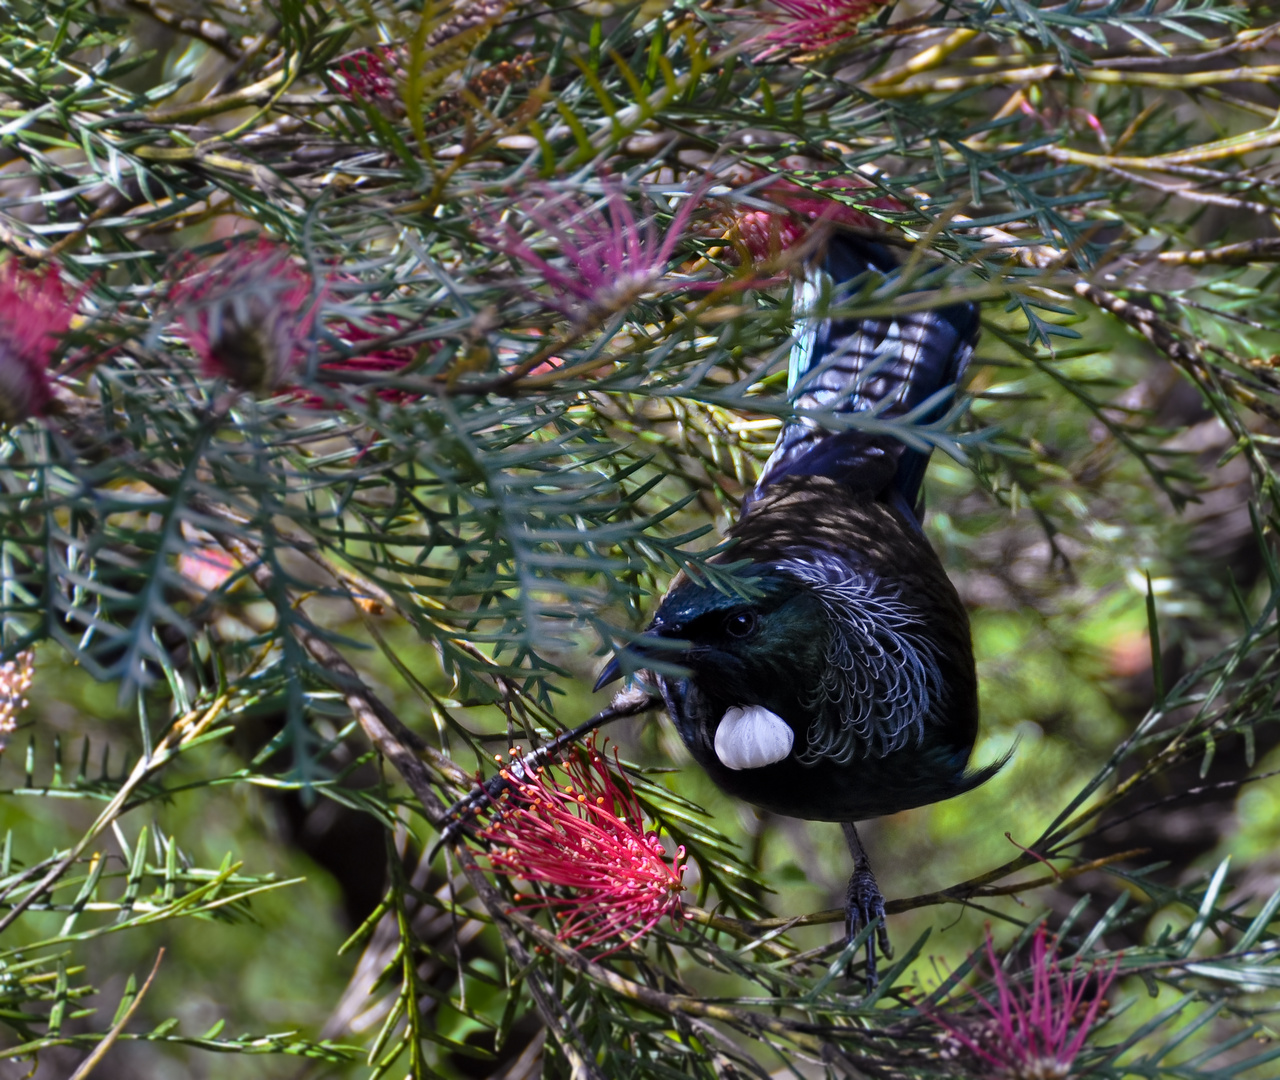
point(531, 364)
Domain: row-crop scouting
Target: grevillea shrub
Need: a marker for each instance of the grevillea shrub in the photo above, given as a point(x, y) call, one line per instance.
point(368, 373)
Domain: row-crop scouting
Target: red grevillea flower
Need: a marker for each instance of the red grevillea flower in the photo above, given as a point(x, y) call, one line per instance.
point(366, 75)
point(35, 311)
point(807, 26)
point(1033, 1030)
point(249, 315)
point(604, 259)
point(606, 879)
point(386, 359)
point(766, 234)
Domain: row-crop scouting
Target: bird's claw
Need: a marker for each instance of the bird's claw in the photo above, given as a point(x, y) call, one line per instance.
point(863, 905)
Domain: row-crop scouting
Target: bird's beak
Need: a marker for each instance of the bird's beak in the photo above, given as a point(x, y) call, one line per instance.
point(649, 651)
point(611, 673)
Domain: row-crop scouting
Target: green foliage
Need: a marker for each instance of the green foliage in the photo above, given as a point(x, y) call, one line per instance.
point(344, 596)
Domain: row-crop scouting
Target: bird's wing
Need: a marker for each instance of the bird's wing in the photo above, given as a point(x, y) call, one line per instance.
point(881, 681)
point(888, 367)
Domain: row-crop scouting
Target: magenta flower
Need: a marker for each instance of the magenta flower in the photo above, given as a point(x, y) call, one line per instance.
point(387, 359)
point(249, 315)
point(808, 26)
point(1035, 1029)
point(603, 260)
point(767, 234)
point(366, 75)
point(35, 311)
point(606, 879)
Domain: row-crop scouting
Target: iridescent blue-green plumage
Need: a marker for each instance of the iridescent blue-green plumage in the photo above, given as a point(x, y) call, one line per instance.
point(845, 688)
point(857, 641)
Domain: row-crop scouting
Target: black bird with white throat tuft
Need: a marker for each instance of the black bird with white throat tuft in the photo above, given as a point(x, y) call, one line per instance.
point(840, 685)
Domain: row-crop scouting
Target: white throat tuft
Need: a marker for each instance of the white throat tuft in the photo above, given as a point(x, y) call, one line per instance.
point(751, 737)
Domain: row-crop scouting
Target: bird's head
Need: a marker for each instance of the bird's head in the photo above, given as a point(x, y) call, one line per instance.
point(711, 650)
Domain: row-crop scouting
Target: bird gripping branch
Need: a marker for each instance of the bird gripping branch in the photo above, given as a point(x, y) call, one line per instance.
point(841, 685)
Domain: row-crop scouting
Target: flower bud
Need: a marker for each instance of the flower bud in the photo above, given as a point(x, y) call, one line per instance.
point(35, 312)
point(248, 317)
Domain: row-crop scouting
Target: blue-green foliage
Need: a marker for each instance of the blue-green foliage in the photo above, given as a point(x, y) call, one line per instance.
point(449, 536)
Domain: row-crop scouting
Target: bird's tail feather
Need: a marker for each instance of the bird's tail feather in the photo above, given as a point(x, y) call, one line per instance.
point(977, 777)
point(900, 368)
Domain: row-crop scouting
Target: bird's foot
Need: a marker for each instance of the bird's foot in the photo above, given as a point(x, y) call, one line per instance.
point(863, 905)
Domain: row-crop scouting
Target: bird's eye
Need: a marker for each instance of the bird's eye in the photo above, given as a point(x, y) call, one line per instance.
point(740, 624)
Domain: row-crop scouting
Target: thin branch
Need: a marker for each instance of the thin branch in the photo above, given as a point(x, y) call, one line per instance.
point(1264, 249)
point(1026, 76)
point(100, 1051)
point(213, 34)
point(183, 730)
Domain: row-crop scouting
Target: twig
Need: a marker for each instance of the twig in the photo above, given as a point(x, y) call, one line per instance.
point(213, 34)
point(974, 888)
point(1191, 194)
point(925, 60)
point(1264, 249)
point(1246, 41)
point(1164, 338)
point(199, 110)
point(100, 1051)
point(1024, 76)
point(183, 730)
point(1219, 150)
point(626, 703)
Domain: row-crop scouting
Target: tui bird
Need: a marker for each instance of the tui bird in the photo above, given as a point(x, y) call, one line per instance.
point(844, 687)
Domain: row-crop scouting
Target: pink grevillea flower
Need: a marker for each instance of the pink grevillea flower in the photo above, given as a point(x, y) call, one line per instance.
point(607, 880)
point(808, 26)
point(603, 259)
point(249, 315)
point(366, 75)
point(1035, 1029)
point(767, 234)
point(386, 359)
point(35, 311)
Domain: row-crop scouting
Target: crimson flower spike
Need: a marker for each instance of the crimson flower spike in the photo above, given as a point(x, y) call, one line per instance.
point(604, 259)
point(809, 26)
point(366, 358)
point(249, 315)
point(768, 234)
point(1032, 1030)
point(366, 75)
point(606, 879)
point(35, 311)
